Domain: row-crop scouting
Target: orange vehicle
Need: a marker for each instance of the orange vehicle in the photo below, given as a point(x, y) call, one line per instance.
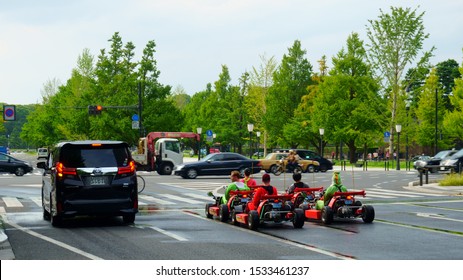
point(271, 162)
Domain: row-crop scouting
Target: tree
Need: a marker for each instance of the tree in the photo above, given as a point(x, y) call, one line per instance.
point(290, 83)
point(447, 71)
point(254, 102)
point(453, 120)
point(347, 104)
point(395, 40)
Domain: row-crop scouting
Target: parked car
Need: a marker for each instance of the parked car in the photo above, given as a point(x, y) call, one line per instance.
point(324, 164)
point(454, 163)
point(272, 159)
point(217, 164)
point(434, 162)
point(42, 153)
point(89, 178)
point(420, 161)
point(13, 165)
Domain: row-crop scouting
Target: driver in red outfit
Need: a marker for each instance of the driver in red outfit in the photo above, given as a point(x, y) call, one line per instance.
point(266, 189)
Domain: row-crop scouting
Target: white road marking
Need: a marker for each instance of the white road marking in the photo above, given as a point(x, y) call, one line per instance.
point(183, 199)
point(155, 200)
point(12, 202)
point(53, 241)
point(170, 234)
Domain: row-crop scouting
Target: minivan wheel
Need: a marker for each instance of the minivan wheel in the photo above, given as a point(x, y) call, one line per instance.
point(19, 171)
point(128, 218)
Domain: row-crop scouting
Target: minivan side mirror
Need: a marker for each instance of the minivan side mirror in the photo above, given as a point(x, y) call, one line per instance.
point(42, 165)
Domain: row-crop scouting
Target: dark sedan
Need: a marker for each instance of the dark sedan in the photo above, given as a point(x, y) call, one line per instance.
point(217, 164)
point(15, 166)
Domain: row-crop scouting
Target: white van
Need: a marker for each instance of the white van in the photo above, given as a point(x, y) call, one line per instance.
point(42, 153)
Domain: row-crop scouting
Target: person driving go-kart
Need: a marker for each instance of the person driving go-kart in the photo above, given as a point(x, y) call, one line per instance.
point(247, 180)
point(236, 185)
point(336, 186)
point(265, 189)
point(297, 183)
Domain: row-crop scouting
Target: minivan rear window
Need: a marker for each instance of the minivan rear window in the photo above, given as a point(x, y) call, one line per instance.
point(75, 156)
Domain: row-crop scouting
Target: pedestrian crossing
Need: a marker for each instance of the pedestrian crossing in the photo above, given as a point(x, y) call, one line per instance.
point(191, 199)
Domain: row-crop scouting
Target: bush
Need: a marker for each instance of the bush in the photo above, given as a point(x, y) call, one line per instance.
point(452, 180)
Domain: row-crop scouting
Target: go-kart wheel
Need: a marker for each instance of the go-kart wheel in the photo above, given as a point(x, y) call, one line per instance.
point(208, 215)
point(233, 218)
point(223, 213)
point(368, 213)
point(299, 218)
point(327, 215)
point(253, 220)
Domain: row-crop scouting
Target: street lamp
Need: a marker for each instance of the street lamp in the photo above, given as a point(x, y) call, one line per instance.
point(407, 108)
point(258, 143)
point(250, 129)
point(199, 130)
point(322, 131)
point(398, 128)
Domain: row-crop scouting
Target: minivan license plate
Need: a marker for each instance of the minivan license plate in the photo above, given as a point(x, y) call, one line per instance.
point(97, 181)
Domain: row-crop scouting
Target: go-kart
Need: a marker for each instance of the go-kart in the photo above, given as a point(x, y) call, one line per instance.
point(272, 208)
point(343, 205)
point(237, 202)
point(305, 198)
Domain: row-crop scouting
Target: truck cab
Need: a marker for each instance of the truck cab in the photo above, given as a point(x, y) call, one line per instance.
point(168, 155)
point(163, 154)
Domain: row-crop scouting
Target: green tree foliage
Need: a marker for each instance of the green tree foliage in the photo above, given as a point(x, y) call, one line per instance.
point(453, 121)
point(447, 71)
point(347, 104)
point(111, 82)
point(426, 111)
point(395, 40)
point(290, 82)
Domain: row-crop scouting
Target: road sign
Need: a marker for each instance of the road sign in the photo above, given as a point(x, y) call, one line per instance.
point(387, 134)
point(135, 118)
point(9, 112)
point(135, 125)
point(209, 132)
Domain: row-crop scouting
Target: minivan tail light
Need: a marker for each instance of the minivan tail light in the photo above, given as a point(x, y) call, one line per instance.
point(62, 170)
point(127, 169)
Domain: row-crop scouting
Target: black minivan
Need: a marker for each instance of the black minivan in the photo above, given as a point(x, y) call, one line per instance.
point(87, 178)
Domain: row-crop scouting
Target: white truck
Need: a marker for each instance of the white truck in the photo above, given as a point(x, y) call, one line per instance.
point(160, 151)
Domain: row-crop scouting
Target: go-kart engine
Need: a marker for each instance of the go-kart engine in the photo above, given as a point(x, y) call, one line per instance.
point(344, 212)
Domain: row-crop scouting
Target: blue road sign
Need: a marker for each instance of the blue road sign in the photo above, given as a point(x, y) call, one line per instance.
point(209, 132)
point(135, 118)
point(387, 134)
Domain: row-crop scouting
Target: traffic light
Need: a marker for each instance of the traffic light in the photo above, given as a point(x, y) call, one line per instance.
point(95, 109)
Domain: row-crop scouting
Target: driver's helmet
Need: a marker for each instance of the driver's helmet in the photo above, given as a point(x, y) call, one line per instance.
point(247, 172)
point(337, 178)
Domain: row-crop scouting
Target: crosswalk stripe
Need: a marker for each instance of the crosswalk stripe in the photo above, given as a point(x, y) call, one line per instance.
point(199, 196)
point(183, 199)
point(406, 192)
point(12, 202)
point(37, 200)
point(369, 193)
point(156, 200)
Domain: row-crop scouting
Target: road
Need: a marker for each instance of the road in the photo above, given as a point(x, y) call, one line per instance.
point(172, 226)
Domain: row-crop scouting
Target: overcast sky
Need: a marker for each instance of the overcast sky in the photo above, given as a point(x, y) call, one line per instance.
point(41, 40)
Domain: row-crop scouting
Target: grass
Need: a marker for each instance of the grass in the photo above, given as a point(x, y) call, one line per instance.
point(452, 180)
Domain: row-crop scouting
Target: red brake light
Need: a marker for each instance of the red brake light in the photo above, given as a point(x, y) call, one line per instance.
point(62, 170)
point(127, 169)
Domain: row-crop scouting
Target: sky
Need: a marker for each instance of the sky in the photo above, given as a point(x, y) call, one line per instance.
point(40, 41)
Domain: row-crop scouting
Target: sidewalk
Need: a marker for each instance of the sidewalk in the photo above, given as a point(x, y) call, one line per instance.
point(6, 253)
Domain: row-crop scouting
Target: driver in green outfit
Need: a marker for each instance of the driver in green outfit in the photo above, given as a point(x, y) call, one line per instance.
point(336, 186)
point(236, 185)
